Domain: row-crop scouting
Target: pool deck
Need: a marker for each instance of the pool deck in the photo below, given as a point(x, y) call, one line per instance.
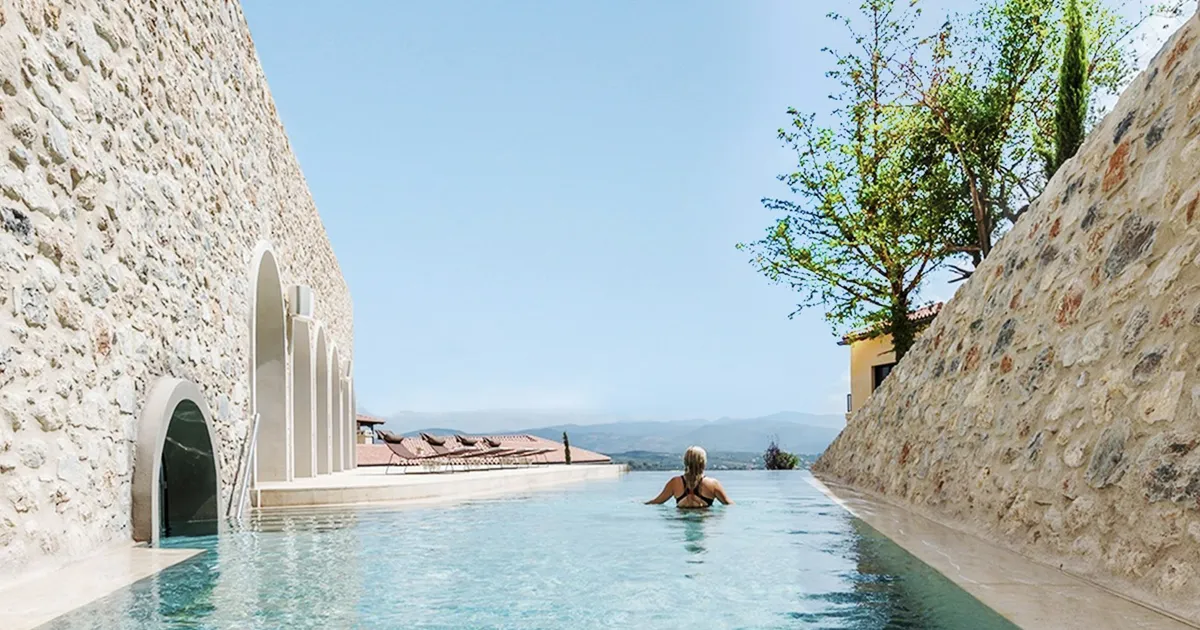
point(1029, 594)
point(373, 485)
point(42, 597)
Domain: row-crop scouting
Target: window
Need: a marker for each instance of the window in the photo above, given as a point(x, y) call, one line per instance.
point(880, 372)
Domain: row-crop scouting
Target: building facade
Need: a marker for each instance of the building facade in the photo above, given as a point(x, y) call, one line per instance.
point(872, 357)
point(162, 266)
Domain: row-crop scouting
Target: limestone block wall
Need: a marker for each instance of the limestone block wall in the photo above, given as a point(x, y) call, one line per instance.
point(141, 163)
point(1054, 405)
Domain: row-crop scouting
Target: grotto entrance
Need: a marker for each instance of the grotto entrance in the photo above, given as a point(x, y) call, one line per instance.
point(176, 474)
point(188, 503)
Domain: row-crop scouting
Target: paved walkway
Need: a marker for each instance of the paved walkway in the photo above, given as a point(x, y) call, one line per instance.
point(1029, 594)
point(39, 599)
point(372, 485)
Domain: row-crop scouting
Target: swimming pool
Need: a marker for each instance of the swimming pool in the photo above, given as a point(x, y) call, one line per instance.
point(583, 556)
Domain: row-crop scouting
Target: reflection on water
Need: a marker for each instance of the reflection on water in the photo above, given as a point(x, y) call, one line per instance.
point(313, 576)
point(693, 525)
point(903, 592)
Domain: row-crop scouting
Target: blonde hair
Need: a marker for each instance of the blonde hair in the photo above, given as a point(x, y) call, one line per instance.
point(694, 460)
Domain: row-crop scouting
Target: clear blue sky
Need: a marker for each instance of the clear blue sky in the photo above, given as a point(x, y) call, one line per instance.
point(535, 204)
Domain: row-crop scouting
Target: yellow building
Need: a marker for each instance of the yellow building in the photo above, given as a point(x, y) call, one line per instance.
point(872, 357)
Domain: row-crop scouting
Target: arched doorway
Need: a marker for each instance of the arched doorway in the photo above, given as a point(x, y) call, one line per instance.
point(303, 400)
point(337, 413)
point(268, 371)
point(324, 425)
point(176, 475)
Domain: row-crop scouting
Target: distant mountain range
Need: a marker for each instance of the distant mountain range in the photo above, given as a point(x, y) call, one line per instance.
point(796, 432)
point(490, 421)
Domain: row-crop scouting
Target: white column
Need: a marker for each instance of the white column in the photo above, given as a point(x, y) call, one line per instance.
point(339, 421)
point(304, 404)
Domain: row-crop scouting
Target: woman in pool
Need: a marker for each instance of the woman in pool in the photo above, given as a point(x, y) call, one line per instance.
point(692, 489)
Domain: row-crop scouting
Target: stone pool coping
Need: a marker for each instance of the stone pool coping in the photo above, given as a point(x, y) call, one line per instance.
point(43, 597)
point(1029, 594)
point(367, 485)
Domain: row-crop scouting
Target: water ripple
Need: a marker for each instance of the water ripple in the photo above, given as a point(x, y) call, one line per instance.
point(583, 557)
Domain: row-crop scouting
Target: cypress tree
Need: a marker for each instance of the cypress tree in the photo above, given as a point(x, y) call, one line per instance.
point(1071, 115)
point(567, 447)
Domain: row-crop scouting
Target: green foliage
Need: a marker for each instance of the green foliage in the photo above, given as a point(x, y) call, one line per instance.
point(939, 145)
point(1071, 115)
point(868, 216)
point(989, 84)
point(566, 447)
point(777, 459)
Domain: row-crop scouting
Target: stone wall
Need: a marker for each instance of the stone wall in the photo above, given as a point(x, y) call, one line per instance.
point(1054, 405)
point(141, 163)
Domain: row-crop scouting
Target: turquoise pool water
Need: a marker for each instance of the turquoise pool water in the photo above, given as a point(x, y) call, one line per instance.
point(584, 556)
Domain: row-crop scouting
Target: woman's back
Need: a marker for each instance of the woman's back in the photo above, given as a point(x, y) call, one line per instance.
point(692, 489)
point(703, 494)
point(698, 494)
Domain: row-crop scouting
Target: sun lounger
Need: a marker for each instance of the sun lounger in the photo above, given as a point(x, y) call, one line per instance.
point(509, 451)
point(400, 450)
point(518, 454)
point(442, 446)
point(479, 452)
point(538, 451)
point(474, 447)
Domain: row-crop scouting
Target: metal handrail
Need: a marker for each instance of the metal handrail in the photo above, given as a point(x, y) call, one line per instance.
point(243, 470)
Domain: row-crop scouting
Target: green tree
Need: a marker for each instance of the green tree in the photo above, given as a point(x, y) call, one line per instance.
point(868, 215)
point(566, 447)
point(1071, 115)
point(988, 83)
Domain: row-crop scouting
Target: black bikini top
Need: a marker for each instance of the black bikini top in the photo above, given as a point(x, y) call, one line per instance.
point(695, 491)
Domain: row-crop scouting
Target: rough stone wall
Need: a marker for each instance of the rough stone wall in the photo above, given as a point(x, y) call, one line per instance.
point(141, 161)
point(1054, 405)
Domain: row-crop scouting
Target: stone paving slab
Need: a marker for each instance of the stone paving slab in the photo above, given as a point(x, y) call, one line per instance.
point(1029, 594)
point(372, 485)
point(33, 602)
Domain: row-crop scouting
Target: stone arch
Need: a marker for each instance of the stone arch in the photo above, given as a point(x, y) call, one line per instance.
point(337, 413)
point(324, 425)
point(176, 475)
point(304, 404)
point(268, 367)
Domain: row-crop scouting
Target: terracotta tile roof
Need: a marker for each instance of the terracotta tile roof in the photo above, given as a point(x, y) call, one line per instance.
point(921, 317)
point(379, 454)
point(364, 419)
